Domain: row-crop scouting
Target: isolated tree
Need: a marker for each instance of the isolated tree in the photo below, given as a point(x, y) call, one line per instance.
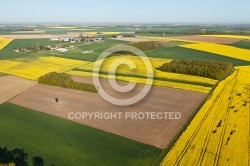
point(80, 36)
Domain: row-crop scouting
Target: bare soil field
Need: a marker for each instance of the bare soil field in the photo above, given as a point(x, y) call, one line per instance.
point(208, 39)
point(10, 86)
point(155, 132)
point(134, 39)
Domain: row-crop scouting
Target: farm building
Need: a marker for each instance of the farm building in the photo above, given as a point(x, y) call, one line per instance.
point(62, 49)
point(64, 39)
point(54, 39)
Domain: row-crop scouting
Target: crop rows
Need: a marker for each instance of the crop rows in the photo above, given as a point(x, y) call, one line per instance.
point(213, 135)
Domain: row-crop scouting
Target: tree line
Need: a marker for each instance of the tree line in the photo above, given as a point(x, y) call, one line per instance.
point(148, 45)
point(64, 80)
point(210, 69)
point(35, 48)
point(17, 157)
point(143, 46)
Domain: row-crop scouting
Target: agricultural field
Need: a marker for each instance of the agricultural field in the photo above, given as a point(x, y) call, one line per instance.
point(149, 131)
point(132, 39)
point(245, 44)
point(171, 38)
point(10, 86)
point(207, 39)
point(62, 27)
point(4, 42)
point(139, 75)
point(23, 43)
point(194, 39)
point(55, 30)
point(2, 74)
point(33, 68)
point(104, 33)
point(219, 133)
point(62, 142)
point(76, 53)
point(230, 36)
point(214, 119)
point(178, 52)
point(223, 50)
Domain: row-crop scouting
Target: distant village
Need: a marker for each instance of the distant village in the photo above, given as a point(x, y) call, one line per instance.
point(64, 47)
point(77, 39)
point(61, 48)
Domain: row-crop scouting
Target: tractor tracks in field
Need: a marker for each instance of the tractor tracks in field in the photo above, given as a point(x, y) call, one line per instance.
point(201, 156)
point(202, 122)
point(217, 156)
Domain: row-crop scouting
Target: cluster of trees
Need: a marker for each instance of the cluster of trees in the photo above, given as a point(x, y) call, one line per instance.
point(17, 157)
point(148, 45)
point(143, 46)
point(129, 35)
point(34, 48)
point(88, 38)
point(64, 80)
point(210, 69)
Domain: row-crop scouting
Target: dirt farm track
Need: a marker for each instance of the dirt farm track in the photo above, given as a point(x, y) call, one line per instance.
point(158, 133)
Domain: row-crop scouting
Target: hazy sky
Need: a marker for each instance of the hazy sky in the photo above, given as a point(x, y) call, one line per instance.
point(125, 11)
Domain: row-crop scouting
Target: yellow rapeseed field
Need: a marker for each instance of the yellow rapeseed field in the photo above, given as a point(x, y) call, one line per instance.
point(219, 133)
point(4, 42)
point(229, 51)
point(126, 74)
point(140, 69)
point(176, 85)
point(230, 36)
point(170, 39)
point(33, 68)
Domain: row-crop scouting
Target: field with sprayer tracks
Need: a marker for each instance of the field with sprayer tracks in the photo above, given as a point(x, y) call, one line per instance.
point(211, 135)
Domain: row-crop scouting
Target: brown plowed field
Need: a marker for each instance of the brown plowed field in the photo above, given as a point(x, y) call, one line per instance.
point(10, 86)
point(158, 132)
